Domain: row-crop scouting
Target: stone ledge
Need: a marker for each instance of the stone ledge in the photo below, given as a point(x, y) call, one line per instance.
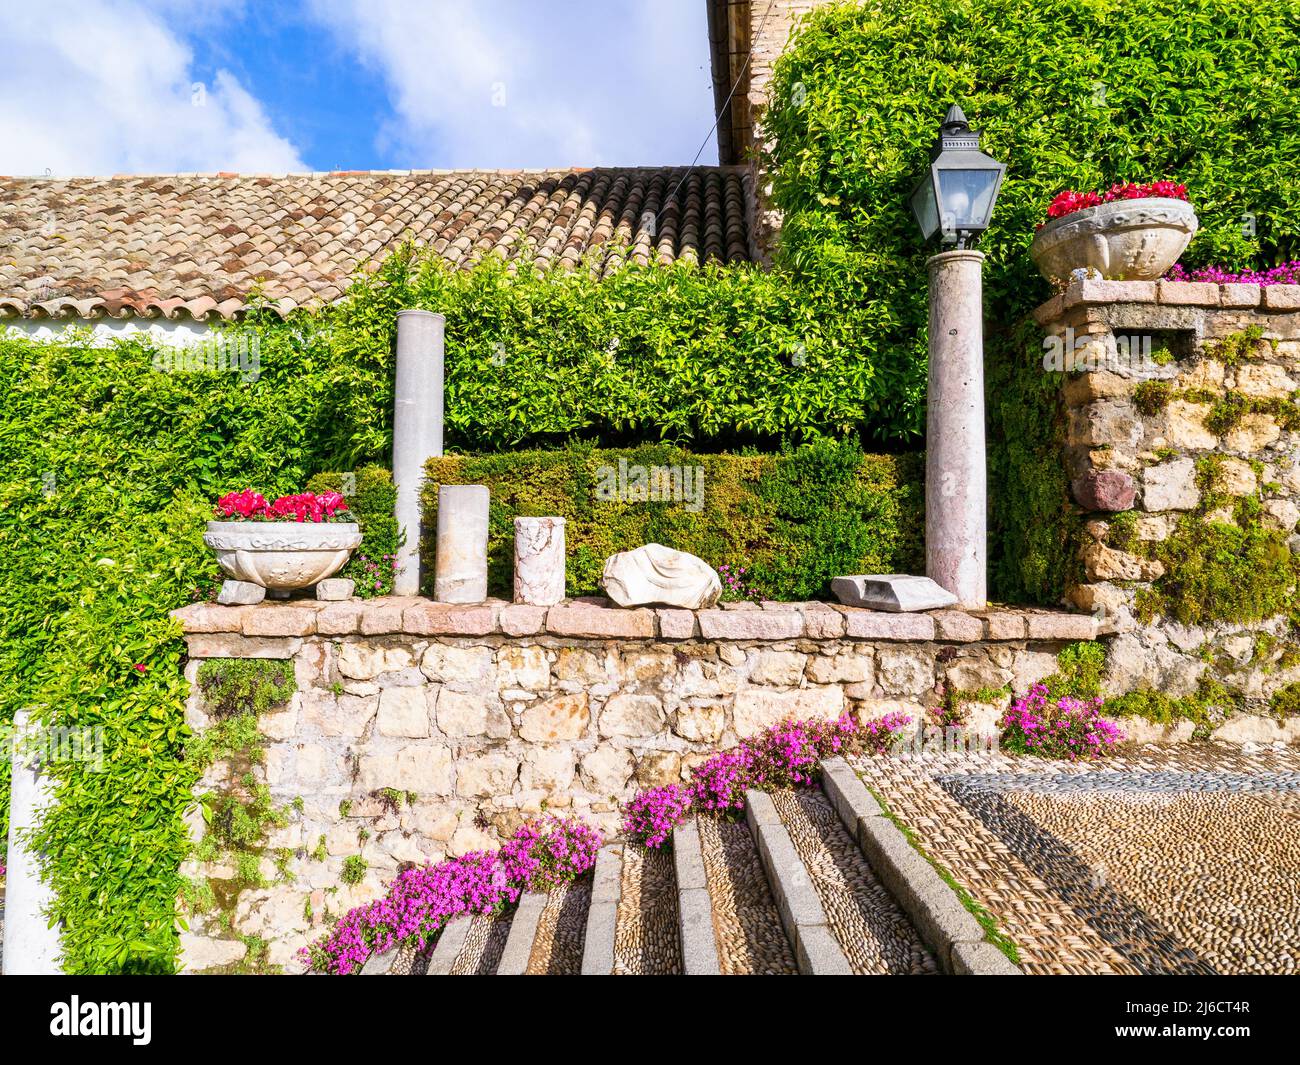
point(210, 626)
point(1169, 294)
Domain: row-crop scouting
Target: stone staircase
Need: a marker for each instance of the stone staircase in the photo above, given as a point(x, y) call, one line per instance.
point(815, 882)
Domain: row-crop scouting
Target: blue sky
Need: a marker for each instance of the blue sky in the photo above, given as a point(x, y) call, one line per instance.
point(166, 86)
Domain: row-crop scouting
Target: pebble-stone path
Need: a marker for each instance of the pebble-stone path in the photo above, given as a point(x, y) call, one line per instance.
point(1167, 860)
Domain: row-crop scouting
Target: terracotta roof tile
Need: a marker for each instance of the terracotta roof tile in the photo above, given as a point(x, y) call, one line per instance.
point(195, 244)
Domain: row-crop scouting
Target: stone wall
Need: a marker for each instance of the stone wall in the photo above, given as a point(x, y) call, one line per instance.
point(760, 31)
point(1181, 410)
point(477, 717)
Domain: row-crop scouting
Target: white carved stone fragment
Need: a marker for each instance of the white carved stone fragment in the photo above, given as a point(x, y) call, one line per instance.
point(658, 575)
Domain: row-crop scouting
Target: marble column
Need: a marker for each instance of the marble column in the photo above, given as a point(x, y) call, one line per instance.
point(31, 946)
point(539, 561)
point(956, 519)
point(417, 431)
point(460, 559)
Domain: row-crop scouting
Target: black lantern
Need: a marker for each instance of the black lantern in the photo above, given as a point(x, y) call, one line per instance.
point(956, 196)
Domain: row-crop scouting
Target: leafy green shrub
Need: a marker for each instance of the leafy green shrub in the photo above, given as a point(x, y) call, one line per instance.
point(710, 356)
point(796, 519)
point(107, 472)
point(1069, 96)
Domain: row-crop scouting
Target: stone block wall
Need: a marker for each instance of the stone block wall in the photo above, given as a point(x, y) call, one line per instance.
point(421, 730)
point(1180, 406)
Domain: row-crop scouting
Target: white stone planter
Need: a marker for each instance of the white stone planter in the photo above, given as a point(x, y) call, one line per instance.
point(1126, 240)
point(282, 555)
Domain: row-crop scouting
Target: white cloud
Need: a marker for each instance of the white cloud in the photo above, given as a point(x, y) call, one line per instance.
point(506, 83)
point(103, 87)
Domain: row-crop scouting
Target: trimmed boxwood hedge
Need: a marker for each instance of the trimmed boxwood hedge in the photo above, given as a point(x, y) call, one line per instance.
point(794, 519)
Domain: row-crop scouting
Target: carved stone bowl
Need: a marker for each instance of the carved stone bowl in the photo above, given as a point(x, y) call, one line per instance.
point(282, 555)
point(1125, 240)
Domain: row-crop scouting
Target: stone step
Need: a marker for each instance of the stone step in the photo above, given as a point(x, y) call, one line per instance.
point(449, 946)
point(523, 932)
point(817, 951)
point(875, 933)
point(951, 934)
point(694, 905)
point(602, 915)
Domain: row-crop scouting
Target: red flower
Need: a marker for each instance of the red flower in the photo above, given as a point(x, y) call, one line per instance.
point(140, 667)
point(1069, 201)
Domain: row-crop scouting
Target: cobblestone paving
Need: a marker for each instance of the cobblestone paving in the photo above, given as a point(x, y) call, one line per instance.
point(561, 930)
point(1165, 860)
point(746, 923)
point(647, 940)
point(484, 943)
point(875, 934)
point(412, 961)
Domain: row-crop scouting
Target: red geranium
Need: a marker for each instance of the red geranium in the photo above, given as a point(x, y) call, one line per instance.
point(306, 506)
point(1069, 201)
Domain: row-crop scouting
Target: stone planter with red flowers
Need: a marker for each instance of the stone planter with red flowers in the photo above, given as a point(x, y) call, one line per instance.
point(295, 542)
point(1131, 232)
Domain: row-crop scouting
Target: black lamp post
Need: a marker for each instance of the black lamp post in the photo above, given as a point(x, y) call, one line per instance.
point(956, 197)
point(955, 200)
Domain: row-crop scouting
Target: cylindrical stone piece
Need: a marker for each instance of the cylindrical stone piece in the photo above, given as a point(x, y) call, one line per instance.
point(539, 561)
point(417, 431)
point(956, 520)
point(460, 559)
point(31, 947)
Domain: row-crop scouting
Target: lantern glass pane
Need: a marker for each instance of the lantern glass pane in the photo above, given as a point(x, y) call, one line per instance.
point(967, 197)
point(925, 208)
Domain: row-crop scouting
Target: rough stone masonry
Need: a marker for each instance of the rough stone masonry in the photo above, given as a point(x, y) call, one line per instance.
point(1180, 405)
point(479, 716)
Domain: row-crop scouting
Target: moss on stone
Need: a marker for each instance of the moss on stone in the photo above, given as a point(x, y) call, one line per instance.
point(1151, 397)
point(1286, 701)
point(1219, 572)
point(1079, 669)
point(235, 685)
point(1232, 349)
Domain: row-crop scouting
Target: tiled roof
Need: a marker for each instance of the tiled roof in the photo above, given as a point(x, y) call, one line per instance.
point(197, 244)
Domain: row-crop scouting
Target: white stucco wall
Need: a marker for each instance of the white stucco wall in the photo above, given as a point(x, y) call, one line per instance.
point(181, 332)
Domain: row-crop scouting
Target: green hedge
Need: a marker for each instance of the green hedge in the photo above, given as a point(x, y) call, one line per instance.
point(794, 519)
point(371, 497)
point(1069, 95)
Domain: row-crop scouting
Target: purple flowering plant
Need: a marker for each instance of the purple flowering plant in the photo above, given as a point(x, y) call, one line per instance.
point(1285, 274)
point(784, 755)
point(1064, 727)
point(422, 899)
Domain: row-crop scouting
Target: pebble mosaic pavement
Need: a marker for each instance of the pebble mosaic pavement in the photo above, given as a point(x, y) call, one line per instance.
point(1163, 860)
point(646, 934)
point(561, 930)
point(875, 934)
point(746, 924)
